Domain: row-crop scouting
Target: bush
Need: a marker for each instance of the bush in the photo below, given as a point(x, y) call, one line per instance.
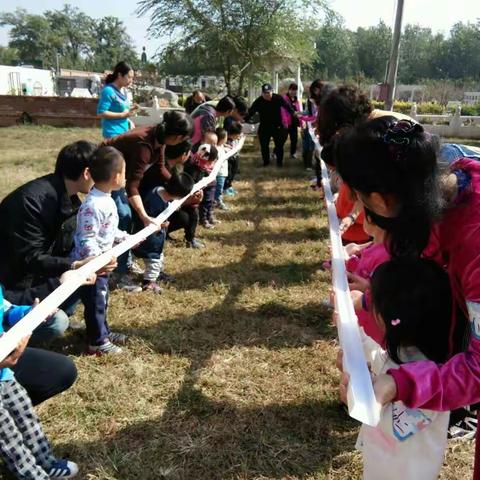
point(429, 107)
point(471, 110)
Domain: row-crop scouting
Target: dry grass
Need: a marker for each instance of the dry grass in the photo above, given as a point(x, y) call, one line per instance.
point(230, 372)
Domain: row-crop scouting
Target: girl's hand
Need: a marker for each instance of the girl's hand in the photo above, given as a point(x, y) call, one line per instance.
point(355, 282)
point(385, 388)
point(357, 297)
point(346, 223)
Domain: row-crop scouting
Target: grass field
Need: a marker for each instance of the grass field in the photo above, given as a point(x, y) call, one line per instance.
point(230, 373)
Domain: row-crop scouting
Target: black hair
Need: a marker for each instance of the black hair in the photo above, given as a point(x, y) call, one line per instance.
point(343, 107)
point(74, 158)
point(213, 151)
point(325, 89)
point(106, 162)
point(234, 128)
point(174, 123)
point(225, 104)
point(368, 160)
point(241, 105)
point(221, 133)
point(414, 299)
point(293, 86)
point(175, 151)
point(179, 185)
point(121, 68)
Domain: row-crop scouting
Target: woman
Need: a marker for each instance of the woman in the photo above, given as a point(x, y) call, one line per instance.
point(291, 122)
point(113, 106)
point(392, 166)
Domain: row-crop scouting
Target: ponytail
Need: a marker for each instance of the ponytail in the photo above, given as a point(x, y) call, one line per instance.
point(121, 68)
point(174, 123)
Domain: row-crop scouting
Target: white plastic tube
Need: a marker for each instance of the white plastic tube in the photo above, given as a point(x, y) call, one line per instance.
point(362, 404)
point(10, 340)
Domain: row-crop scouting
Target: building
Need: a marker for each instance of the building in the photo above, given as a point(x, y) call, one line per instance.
point(182, 83)
point(26, 81)
point(471, 98)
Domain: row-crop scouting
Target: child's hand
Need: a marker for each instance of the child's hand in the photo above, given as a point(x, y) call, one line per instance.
point(355, 282)
point(385, 388)
point(12, 359)
point(109, 267)
point(91, 279)
point(344, 387)
point(357, 298)
point(352, 249)
point(346, 223)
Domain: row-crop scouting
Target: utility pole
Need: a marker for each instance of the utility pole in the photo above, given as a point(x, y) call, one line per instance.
point(394, 57)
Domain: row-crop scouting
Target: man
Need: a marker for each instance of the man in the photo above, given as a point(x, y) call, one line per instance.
point(193, 101)
point(268, 106)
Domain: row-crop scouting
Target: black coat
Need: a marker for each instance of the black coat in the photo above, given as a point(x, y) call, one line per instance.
point(38, 223)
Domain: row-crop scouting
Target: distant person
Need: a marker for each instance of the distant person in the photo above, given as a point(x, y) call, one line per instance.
point(144, 56)
point(205, 117)
point(268, 106)
point(194, 100)
point(113, 106)
point(291, 122)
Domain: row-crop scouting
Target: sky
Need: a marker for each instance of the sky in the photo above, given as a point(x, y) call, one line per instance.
point(439, 15)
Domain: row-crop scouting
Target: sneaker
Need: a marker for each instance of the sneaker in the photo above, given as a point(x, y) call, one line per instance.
point(293, 156)
point(164, 277)
point(123, 281)
point(135, 268)
point(194, 244)
point(214, 221)
point(206, 224)
point(221, 206)
point(464, 429)
point(231, 192)
point(106, 348)
point(118, 338)
point(152, 287)
point(63, 469)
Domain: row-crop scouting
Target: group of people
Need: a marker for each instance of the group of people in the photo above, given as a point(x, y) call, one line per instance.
point(409, 216)
point(408, 207)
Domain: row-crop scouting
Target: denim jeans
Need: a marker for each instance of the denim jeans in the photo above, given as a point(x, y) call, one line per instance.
point(219, 188)
point(124, 223)
point(52, 328)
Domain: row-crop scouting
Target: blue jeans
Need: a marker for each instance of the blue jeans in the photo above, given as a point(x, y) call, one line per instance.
point(124, 223)
point(52, 328)
point(219, 190)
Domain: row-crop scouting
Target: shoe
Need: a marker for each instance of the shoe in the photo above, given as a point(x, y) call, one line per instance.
point(214, 221)
point(152, 287)
point(231, 192)
point(106, 348)
point(194, 244)
point(464, 429)
point(221, 206)
point(118, 338)
point(123, 281)
point(63, 469)
point(164, 277)
point(135, 268)
point(206, 224)
point(293, 156)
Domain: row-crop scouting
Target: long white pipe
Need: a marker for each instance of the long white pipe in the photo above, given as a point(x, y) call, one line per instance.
point(362, 404)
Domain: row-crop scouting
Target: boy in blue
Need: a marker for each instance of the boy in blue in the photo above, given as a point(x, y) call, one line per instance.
point(23, 445)
point(155, 202)
point(113, 106)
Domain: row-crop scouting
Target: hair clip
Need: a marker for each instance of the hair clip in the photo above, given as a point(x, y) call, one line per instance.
point(395, 322)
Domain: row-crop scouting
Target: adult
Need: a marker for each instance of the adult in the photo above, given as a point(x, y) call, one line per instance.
point(291, 122)
point(268, 106)
point(39, 220)
point(113, 105)
point(392, 166)
point(194, 100)
point(143, 149)
point(205, 117)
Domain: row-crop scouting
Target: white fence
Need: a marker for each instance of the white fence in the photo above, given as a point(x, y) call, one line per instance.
point(449, 126)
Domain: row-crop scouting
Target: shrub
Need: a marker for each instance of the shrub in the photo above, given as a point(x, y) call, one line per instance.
point(471, 110)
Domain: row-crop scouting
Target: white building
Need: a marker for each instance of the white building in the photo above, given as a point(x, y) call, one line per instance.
point(26, 81)
point(471, 98)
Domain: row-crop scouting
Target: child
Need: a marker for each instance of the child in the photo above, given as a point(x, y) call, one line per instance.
point(223, 172)
point(97, 231)
point(412, 304)
point(23, 445)
point(204, 159)
point(151, 250)
point(234, 132)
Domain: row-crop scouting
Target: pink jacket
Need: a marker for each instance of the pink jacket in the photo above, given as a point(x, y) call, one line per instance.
point(286, 116)
point(364, 266)
point(457, 382)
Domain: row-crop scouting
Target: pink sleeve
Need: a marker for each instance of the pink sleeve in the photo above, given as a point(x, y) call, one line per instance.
point(443, 387)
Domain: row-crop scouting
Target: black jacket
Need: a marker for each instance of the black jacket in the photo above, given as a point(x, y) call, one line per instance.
point(38, 223)
point(269, 111)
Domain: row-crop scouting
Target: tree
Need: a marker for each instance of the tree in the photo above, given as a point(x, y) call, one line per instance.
point(239, 36)
point(373, 50)
point(9, 56)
